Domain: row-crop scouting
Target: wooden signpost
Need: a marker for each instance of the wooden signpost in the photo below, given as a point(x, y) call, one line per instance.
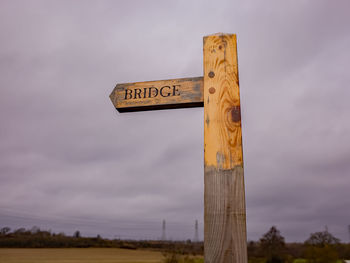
point(156, 95)
point(218, 91)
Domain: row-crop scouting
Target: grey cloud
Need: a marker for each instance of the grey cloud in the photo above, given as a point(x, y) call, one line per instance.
point(69, 161)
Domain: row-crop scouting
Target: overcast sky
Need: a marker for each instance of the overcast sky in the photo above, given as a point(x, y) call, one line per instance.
point(69, 161)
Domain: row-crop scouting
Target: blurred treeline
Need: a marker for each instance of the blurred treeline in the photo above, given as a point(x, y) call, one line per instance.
point(37, 238)
point(320, 247)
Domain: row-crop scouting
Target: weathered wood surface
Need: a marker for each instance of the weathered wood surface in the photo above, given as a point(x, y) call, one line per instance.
point(155, 95)
point(224, 198)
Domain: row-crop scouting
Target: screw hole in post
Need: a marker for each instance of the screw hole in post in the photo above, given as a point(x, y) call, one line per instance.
point(212, 90)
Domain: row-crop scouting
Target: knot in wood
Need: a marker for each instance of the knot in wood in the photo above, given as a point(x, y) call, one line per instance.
point(236, 113)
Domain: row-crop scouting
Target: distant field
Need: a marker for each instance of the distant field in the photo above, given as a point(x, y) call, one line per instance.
point(85, 255)
point(78, 255)
point(299, 260)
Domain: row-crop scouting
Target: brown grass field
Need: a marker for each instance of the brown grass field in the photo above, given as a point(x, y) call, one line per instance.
point(78, 255)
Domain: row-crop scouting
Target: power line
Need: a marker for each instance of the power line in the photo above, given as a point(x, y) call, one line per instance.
point(196, 231)
point(163, 231)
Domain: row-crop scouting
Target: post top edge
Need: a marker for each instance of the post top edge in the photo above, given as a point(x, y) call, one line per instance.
point(220, 34)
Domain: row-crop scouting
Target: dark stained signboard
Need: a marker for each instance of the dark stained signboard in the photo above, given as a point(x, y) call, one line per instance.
point(155, 95)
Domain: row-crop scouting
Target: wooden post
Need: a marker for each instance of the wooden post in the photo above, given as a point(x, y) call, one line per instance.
point(225, 238)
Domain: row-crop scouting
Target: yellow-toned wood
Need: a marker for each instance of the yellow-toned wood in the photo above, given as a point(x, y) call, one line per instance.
point(222, 126)
point(162, 94)
point(224, 199)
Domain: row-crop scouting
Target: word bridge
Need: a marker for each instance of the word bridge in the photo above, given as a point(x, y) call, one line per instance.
point(218, 91)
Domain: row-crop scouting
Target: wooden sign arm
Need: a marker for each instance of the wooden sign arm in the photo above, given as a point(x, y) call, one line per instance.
point(158, 95)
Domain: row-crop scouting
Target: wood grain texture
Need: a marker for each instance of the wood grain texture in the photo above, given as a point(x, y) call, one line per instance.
point(224, 198)
point(155, 95)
